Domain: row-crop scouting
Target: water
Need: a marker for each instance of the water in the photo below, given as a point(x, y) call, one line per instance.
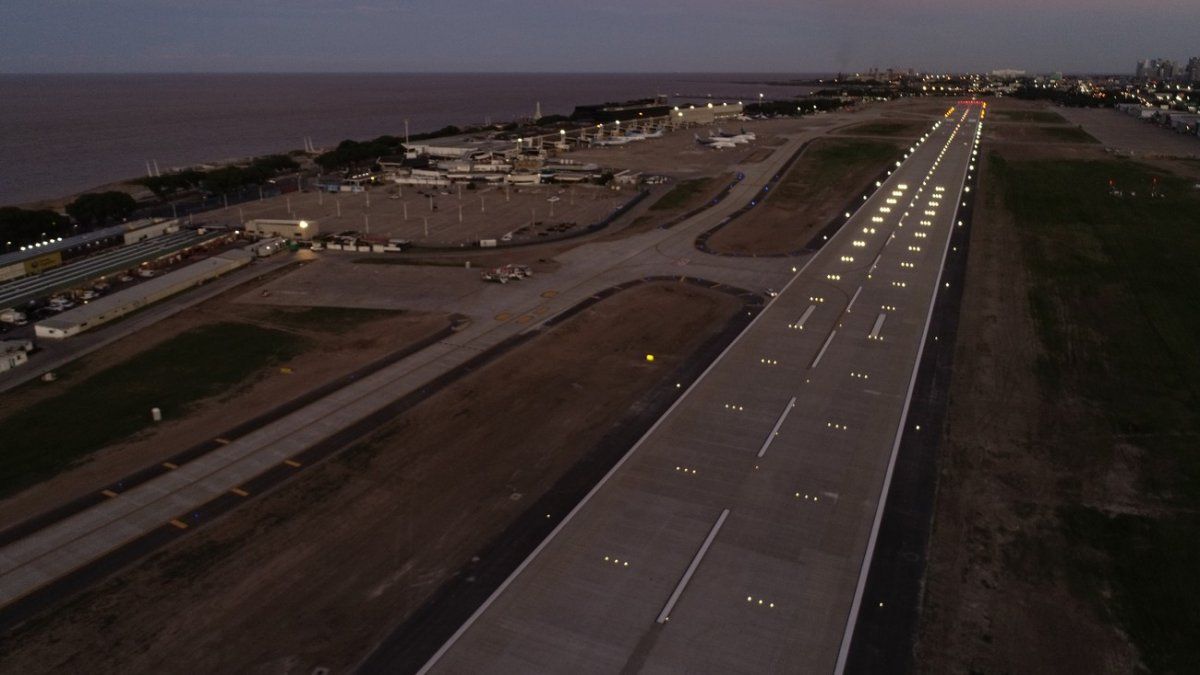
point(61, 134)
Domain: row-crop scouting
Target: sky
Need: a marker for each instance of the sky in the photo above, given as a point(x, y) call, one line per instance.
point(786, 36)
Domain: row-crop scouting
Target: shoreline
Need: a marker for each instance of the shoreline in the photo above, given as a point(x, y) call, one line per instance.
point(431, 109)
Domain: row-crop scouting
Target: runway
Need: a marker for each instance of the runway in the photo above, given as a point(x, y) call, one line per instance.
point(736, 535)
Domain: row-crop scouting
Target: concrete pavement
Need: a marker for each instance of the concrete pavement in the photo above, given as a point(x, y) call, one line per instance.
point(736, 535)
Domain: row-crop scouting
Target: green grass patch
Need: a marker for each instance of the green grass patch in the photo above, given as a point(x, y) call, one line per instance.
point(1150, 569)
point(681, 194)
point(326, 319)
point(1036, 116)
point(1068, 134)
point(1113, 296)
point(115, 403)
point(886, 129)
point(826, 165)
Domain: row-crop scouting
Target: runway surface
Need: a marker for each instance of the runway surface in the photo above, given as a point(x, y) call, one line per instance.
point(736, 535)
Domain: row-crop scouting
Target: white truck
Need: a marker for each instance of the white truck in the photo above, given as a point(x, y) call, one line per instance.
point(13, 316)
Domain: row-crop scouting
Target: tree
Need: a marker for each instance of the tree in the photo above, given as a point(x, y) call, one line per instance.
point(22, 227)
point(100, 208)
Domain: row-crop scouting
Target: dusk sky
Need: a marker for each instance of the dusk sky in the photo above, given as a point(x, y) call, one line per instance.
point(605, 35)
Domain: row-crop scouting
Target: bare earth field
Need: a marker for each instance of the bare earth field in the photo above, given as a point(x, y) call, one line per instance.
point(1009, 132)
point(327, 355)
point(675, 201)
point(987, 608)
point(891, 127)
point(1131, 136)
point(1064, 525)
point(317, 572)
point(828, 174)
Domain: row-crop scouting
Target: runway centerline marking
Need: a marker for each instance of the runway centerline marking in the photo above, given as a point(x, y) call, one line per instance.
point(665, 614)
point(823, 348)
point(775, 431)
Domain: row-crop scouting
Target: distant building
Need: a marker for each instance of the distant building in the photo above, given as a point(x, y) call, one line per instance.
point(1008, 73)
point(299, 230)
point(1161, 70)
point(629, 110)
point(1192, 73)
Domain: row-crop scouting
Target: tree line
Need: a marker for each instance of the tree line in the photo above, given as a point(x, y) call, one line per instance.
point(222, 179)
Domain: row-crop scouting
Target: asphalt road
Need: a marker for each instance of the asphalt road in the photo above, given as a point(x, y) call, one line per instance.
point(737, 534)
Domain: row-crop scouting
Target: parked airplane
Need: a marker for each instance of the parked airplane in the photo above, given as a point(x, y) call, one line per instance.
point(611, 140)
point(715, 142)
point(743, 137)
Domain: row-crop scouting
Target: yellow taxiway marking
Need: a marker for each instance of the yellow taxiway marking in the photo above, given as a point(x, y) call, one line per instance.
point(179, 523)
point(108, 493)
point(549, 294)
point(525, 319)
point(541, 311)
point(170, 465)
point(503, 316)
point(222, 441)
point(240, 492)
point(291, 462)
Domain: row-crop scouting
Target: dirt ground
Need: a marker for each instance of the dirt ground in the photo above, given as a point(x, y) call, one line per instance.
point(891, 127)
point(1130, 136)
point(329, 356)
point(317, 572)
point(653, 217)
point(1040, 134)
point(992, 600)
point(803, 202)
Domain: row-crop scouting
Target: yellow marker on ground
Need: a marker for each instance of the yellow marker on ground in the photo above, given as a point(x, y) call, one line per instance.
point(291, 462)
point(650, 358)
point(179, 523)
point(240, 492)
point(549, 294)
point(170, 465)
point(503, 316)
point(108, 493)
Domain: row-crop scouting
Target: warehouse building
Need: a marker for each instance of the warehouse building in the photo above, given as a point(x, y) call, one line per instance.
point(691, 115)
point(296, 230)
point(36, 258)
point(117, 305)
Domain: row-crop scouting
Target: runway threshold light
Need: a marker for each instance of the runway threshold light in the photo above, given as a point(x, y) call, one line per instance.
point(650, 358)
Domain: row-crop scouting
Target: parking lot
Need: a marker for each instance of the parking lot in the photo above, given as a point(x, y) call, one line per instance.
point(442, 216)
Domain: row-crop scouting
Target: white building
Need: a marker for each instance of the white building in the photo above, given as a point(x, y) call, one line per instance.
point(110, 307)
point(299, 230)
